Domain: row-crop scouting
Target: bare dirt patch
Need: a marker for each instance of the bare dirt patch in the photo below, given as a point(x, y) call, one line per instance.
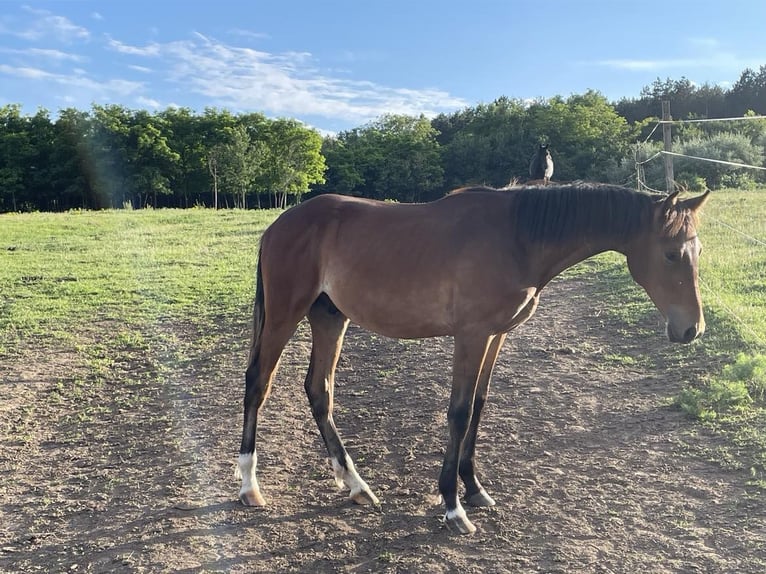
point(591, 468)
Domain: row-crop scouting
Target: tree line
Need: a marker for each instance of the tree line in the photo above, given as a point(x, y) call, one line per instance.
point(113, 157)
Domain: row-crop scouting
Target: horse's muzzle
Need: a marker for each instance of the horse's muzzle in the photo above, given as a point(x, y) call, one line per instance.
point(688, 335)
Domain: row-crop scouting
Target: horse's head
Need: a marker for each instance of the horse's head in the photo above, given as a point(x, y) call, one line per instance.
point(664, 261)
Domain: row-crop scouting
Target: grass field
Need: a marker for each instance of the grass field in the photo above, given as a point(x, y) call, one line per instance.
point(133, 270)
point(62, 271)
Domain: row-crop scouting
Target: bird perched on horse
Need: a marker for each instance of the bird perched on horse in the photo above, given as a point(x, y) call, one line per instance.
point(541, 167)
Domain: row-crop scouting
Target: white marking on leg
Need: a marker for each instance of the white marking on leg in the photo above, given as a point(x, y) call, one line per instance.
point(338, 470)
point(247, 464)
point(457, 512)
point(349, 477)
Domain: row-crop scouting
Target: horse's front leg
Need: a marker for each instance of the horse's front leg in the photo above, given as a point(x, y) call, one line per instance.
point(467, 364)
point(475, 495)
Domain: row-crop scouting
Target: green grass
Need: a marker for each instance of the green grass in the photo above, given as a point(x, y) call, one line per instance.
point(734, 261)
point(132, 268)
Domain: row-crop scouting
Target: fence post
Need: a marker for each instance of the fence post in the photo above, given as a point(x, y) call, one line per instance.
point(667, 140)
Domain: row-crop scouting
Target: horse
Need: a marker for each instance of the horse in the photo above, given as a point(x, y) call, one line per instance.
point(470, 265)
point(541, 166)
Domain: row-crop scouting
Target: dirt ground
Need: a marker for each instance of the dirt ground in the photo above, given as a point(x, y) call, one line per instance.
point(592, 470)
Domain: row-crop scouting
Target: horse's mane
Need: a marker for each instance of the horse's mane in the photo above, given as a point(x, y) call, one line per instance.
point(473, 188)
point(556, 213)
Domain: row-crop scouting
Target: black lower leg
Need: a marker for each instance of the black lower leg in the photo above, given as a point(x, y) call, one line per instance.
point(458, 417)
point(254, 397)
point(467, 467)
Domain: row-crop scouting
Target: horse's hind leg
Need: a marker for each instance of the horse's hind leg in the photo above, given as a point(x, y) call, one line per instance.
point(264, 359)
point(328, 327)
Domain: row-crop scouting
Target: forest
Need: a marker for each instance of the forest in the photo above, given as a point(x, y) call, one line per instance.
point(114, 157)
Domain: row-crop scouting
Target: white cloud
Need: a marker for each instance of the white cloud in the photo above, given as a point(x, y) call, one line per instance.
point(148, 103)
point(148, 50)
point(221, 74)
point(288, 83)
point(249, 34)
point(96, 16)
point(78, 82)
point(44, 54)
point(706, 53)
point(704, 43)
point(49, 25)
point(644, 65)
point(25, 72)
point(55, 55)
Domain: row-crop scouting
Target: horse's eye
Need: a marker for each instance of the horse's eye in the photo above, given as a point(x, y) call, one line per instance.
point(672, 257)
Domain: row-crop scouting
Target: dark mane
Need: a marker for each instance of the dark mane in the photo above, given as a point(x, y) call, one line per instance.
point(562, 212)
point(470, 189)
point(558, 213)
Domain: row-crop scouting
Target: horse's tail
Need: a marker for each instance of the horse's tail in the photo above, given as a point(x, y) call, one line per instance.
point(259, 315)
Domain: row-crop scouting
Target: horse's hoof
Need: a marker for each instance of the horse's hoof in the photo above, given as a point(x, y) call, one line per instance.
point(252, 498)
point(364, 497)
point(479, 499)
point(459, 523)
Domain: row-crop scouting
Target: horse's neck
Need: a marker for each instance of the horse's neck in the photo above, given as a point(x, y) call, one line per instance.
point(558, 258)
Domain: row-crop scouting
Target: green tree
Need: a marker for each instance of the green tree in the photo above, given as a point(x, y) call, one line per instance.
point(749, 92)
point(395, 157)
point(410, 170)
point(107, 156)
point(344, 166)
point(725, 146)
point(188, 177)
point(293, 160)
point(69, 160)
point(151, 158)
point(16, 153)
point(489, 144)
point(587, 137)
point(237, 163)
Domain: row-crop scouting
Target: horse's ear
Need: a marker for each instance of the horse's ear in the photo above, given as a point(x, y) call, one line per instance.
point(695, 203)
point(669, 202)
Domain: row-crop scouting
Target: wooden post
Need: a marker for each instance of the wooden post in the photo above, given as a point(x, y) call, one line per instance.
point(667, 140)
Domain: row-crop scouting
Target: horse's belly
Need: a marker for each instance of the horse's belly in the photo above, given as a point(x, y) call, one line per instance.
point(409, 314)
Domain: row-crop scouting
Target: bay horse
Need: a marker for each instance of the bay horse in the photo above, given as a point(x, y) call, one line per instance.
point(470, 265)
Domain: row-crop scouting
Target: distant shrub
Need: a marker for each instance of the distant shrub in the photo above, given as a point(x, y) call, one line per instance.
point(691, 182)
point(693, 174)
point(725, 146)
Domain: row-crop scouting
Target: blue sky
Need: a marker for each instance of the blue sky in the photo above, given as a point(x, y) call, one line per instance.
point(338, 64)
